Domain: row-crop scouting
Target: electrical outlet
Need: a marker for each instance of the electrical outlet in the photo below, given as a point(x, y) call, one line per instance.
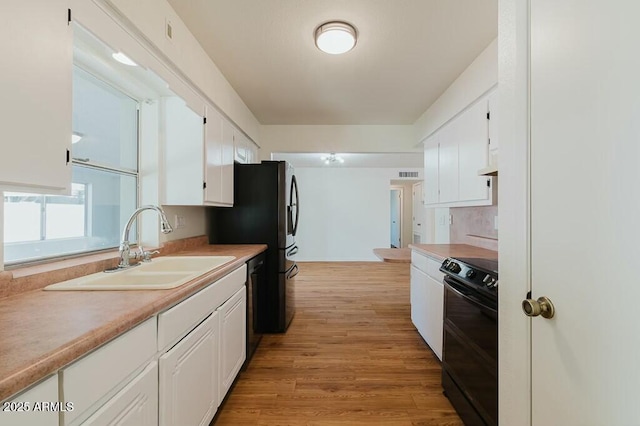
point(180, 222)
point(495, 223)
point(450, 219)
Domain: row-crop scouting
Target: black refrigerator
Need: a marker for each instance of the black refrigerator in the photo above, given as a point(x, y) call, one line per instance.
point(265, 211)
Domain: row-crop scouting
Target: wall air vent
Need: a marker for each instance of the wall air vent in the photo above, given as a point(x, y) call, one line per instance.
point(408, 174)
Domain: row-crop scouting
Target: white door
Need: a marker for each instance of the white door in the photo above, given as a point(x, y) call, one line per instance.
point(418, 210)
point(585, 210)
point(396, 216)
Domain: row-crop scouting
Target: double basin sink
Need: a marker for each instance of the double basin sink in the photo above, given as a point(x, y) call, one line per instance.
point(161, 273)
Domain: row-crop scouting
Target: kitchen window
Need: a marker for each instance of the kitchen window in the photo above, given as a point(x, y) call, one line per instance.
point(105, 181)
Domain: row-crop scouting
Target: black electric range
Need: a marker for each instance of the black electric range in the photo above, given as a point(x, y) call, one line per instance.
point(470, 344)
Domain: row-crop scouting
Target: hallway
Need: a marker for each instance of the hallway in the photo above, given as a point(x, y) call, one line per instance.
point(350, 357)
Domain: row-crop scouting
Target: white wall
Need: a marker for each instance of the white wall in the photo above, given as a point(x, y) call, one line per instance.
point(479, 77)
point(336, 138)
point(344, 212)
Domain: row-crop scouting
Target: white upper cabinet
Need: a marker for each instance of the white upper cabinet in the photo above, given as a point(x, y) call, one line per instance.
point(245, 151)
point(493, 129)
point(36, 96)
point(213, 156)
point(452, 158)
point(431, 171)
point(218, 159)
point(473, 142)
point(198, 156)
point(227, 163)
point(183, 154)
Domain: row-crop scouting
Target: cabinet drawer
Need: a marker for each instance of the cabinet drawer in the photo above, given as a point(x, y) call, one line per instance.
point(433, 270)
point(179, 320)
point(427, 265)
point(24, 413)
point(419, 261)
point(95, 376)
point(135, 405)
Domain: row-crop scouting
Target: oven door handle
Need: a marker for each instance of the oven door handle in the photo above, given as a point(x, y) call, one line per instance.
point(475, 302)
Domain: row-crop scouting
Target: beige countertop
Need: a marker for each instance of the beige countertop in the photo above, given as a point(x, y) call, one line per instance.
point(442, 251)
point(42, 331)
point(393, 255)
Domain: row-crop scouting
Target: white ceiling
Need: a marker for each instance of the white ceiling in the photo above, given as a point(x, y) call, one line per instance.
point(408, 53)
point(371, 160)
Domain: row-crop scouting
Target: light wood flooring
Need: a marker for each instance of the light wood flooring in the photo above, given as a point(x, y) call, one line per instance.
point(350, 357)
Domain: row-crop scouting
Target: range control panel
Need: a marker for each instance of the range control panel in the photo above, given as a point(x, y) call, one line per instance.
point(477, 275)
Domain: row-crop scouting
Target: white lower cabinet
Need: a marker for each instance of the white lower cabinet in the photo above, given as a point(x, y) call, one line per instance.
point(96, 379)
point(174, 369)
point(419, 300)
point(189, 377)
point(22, 411)
point(135, 405)
point(233, 348)
point(427, 299)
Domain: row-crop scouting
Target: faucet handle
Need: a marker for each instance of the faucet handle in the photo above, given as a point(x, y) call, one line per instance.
point(146, 255)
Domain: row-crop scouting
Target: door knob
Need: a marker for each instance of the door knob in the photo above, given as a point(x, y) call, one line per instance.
point(542, 306)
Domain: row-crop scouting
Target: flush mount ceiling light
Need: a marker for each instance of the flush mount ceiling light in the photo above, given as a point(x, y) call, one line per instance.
point(336, 37)
point(332, 158)
point(123, 59)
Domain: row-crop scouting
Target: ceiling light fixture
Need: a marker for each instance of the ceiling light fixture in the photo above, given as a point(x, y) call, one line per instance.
point(332, 158)
point(123, 59)
point(336, 37)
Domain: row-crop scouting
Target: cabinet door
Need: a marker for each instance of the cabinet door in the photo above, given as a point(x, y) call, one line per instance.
point(213, 156)
point(434, 309)
point(418, 296)
point(184, 163)
point(227, 163)
point(36, 95)
point(233, 332)
point(135, 405)
point(22, 414)
point(493, 120)
point(189, 377)
point(448, 163)
point(473, 145)
point(240, 146)
point(431, 173)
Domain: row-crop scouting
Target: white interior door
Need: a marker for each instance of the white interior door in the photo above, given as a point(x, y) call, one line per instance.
point(396, 217)
point(585, 208)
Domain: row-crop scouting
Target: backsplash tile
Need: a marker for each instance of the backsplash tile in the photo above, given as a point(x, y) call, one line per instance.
point(474, 226)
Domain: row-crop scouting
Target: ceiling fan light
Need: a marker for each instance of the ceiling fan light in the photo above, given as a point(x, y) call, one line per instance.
point(336, 37)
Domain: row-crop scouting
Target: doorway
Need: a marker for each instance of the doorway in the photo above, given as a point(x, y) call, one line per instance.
point(395, 223)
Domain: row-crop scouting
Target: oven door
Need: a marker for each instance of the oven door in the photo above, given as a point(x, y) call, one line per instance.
point(470, 347)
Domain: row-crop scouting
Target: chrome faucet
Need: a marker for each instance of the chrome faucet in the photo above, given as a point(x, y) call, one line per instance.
point(125, 249)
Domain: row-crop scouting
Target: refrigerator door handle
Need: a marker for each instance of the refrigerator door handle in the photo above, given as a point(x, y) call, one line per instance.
point(296, 204)
point(293, 272)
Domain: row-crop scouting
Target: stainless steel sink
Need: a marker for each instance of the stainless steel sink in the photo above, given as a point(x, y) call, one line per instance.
point(160, 274)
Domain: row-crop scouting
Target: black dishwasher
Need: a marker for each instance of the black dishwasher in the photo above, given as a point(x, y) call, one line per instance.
point(256, 279)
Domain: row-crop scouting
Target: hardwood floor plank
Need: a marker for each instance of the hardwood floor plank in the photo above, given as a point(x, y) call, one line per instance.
point(350, 357)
